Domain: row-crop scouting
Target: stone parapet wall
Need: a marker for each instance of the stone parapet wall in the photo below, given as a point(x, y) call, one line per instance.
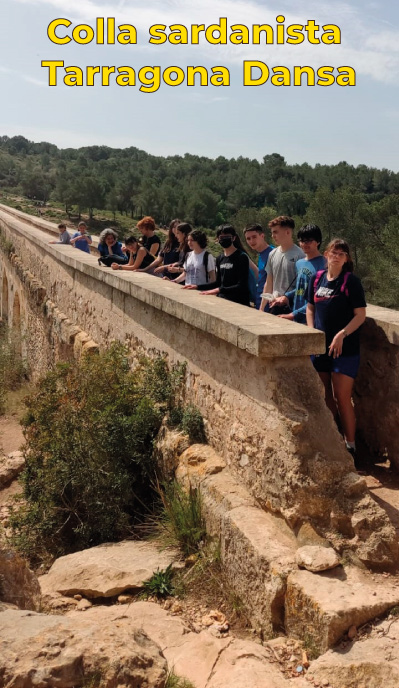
point(249, 374)
point(377, 386)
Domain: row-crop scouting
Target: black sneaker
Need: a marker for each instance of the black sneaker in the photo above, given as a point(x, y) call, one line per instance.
point(356, 461)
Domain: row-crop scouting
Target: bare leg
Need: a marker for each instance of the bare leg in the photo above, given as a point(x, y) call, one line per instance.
point(330, 401)
point(343, 386)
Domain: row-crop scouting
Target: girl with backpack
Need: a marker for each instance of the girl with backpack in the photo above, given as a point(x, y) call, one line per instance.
point(199, 265)
point(336, 305)
point(232, 270)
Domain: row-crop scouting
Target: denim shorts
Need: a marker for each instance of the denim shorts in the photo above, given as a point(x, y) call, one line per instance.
point(346, 365)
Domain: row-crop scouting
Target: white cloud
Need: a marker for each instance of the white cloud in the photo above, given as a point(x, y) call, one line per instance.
point(35, 82)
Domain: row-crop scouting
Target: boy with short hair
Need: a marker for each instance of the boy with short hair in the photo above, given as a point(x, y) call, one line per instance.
point(255, 238)
point(64, 235)
point(309, 238)
point(280, 266)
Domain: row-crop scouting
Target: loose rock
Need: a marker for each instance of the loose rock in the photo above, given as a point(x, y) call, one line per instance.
point(316, 558)
point(83, 605)
point(10, 467)
point(106, 570)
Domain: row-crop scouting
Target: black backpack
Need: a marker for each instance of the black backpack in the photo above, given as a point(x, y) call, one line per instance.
point(205, 264)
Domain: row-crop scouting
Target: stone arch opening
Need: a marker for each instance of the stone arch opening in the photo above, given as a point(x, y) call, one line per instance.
point(4, 299)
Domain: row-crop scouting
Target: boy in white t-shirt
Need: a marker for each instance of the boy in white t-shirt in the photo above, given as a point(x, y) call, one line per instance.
point(199, 265)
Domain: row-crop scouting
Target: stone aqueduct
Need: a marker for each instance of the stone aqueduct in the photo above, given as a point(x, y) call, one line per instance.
point(249, 374)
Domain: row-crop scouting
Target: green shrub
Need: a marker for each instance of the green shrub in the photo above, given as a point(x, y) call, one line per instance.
point(188, 419)
point(192, 423)
point(181, 522)
point(5, 244)
point(89, 431)
point(160, 584)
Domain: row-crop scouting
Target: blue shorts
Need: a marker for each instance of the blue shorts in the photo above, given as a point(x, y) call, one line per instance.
point(346, 365)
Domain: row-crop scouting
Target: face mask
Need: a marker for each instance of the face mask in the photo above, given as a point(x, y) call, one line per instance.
point(225, 241)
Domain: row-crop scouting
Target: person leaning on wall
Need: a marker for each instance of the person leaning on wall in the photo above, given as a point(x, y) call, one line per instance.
point(64, 237)
point(110, 249)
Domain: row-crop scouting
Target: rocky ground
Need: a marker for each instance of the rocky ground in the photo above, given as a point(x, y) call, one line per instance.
point(84, 621)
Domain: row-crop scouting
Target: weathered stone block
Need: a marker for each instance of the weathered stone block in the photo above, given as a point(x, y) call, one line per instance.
point(323, 606)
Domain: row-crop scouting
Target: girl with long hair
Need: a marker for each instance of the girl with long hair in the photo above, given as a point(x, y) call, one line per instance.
point(199, 265)
point(337, 306)
point(169, 253)
point(181, 231)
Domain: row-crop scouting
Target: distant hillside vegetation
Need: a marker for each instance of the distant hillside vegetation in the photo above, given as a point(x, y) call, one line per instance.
point(361, 203)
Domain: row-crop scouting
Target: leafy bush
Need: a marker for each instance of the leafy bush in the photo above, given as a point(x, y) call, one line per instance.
point(160, 584)
point(188, 419)
point(5, 244)
point(181, 522)
point(89, 431)
point(192, 423)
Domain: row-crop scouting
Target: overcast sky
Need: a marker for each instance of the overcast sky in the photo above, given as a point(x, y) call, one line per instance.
point(305, 124)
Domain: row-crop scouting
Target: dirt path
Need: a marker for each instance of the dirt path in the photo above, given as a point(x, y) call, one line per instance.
point(11, 437)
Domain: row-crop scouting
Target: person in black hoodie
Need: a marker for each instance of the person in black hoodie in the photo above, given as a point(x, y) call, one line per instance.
point(232, 270)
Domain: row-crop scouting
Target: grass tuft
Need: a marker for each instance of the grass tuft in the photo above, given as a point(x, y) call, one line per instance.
point(181, 523)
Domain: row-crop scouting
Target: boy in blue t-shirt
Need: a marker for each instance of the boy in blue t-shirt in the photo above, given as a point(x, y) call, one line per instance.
point(309, 238)
point(255, 238)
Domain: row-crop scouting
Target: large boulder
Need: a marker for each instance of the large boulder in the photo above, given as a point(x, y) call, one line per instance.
point(58, 652)
point(106, 570)
point(18, 584)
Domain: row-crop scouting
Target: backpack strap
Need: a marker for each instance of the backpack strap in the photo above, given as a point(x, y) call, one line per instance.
point(344, 285)
point(205, 264)
point(319, 273)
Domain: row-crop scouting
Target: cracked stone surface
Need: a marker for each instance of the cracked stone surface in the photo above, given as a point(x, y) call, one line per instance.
point(206, 661)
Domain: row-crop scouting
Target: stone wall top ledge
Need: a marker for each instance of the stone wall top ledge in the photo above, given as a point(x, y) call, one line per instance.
point(387, 319)
point(257, 333)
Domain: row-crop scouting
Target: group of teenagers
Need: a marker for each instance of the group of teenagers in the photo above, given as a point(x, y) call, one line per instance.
point(293, 282)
